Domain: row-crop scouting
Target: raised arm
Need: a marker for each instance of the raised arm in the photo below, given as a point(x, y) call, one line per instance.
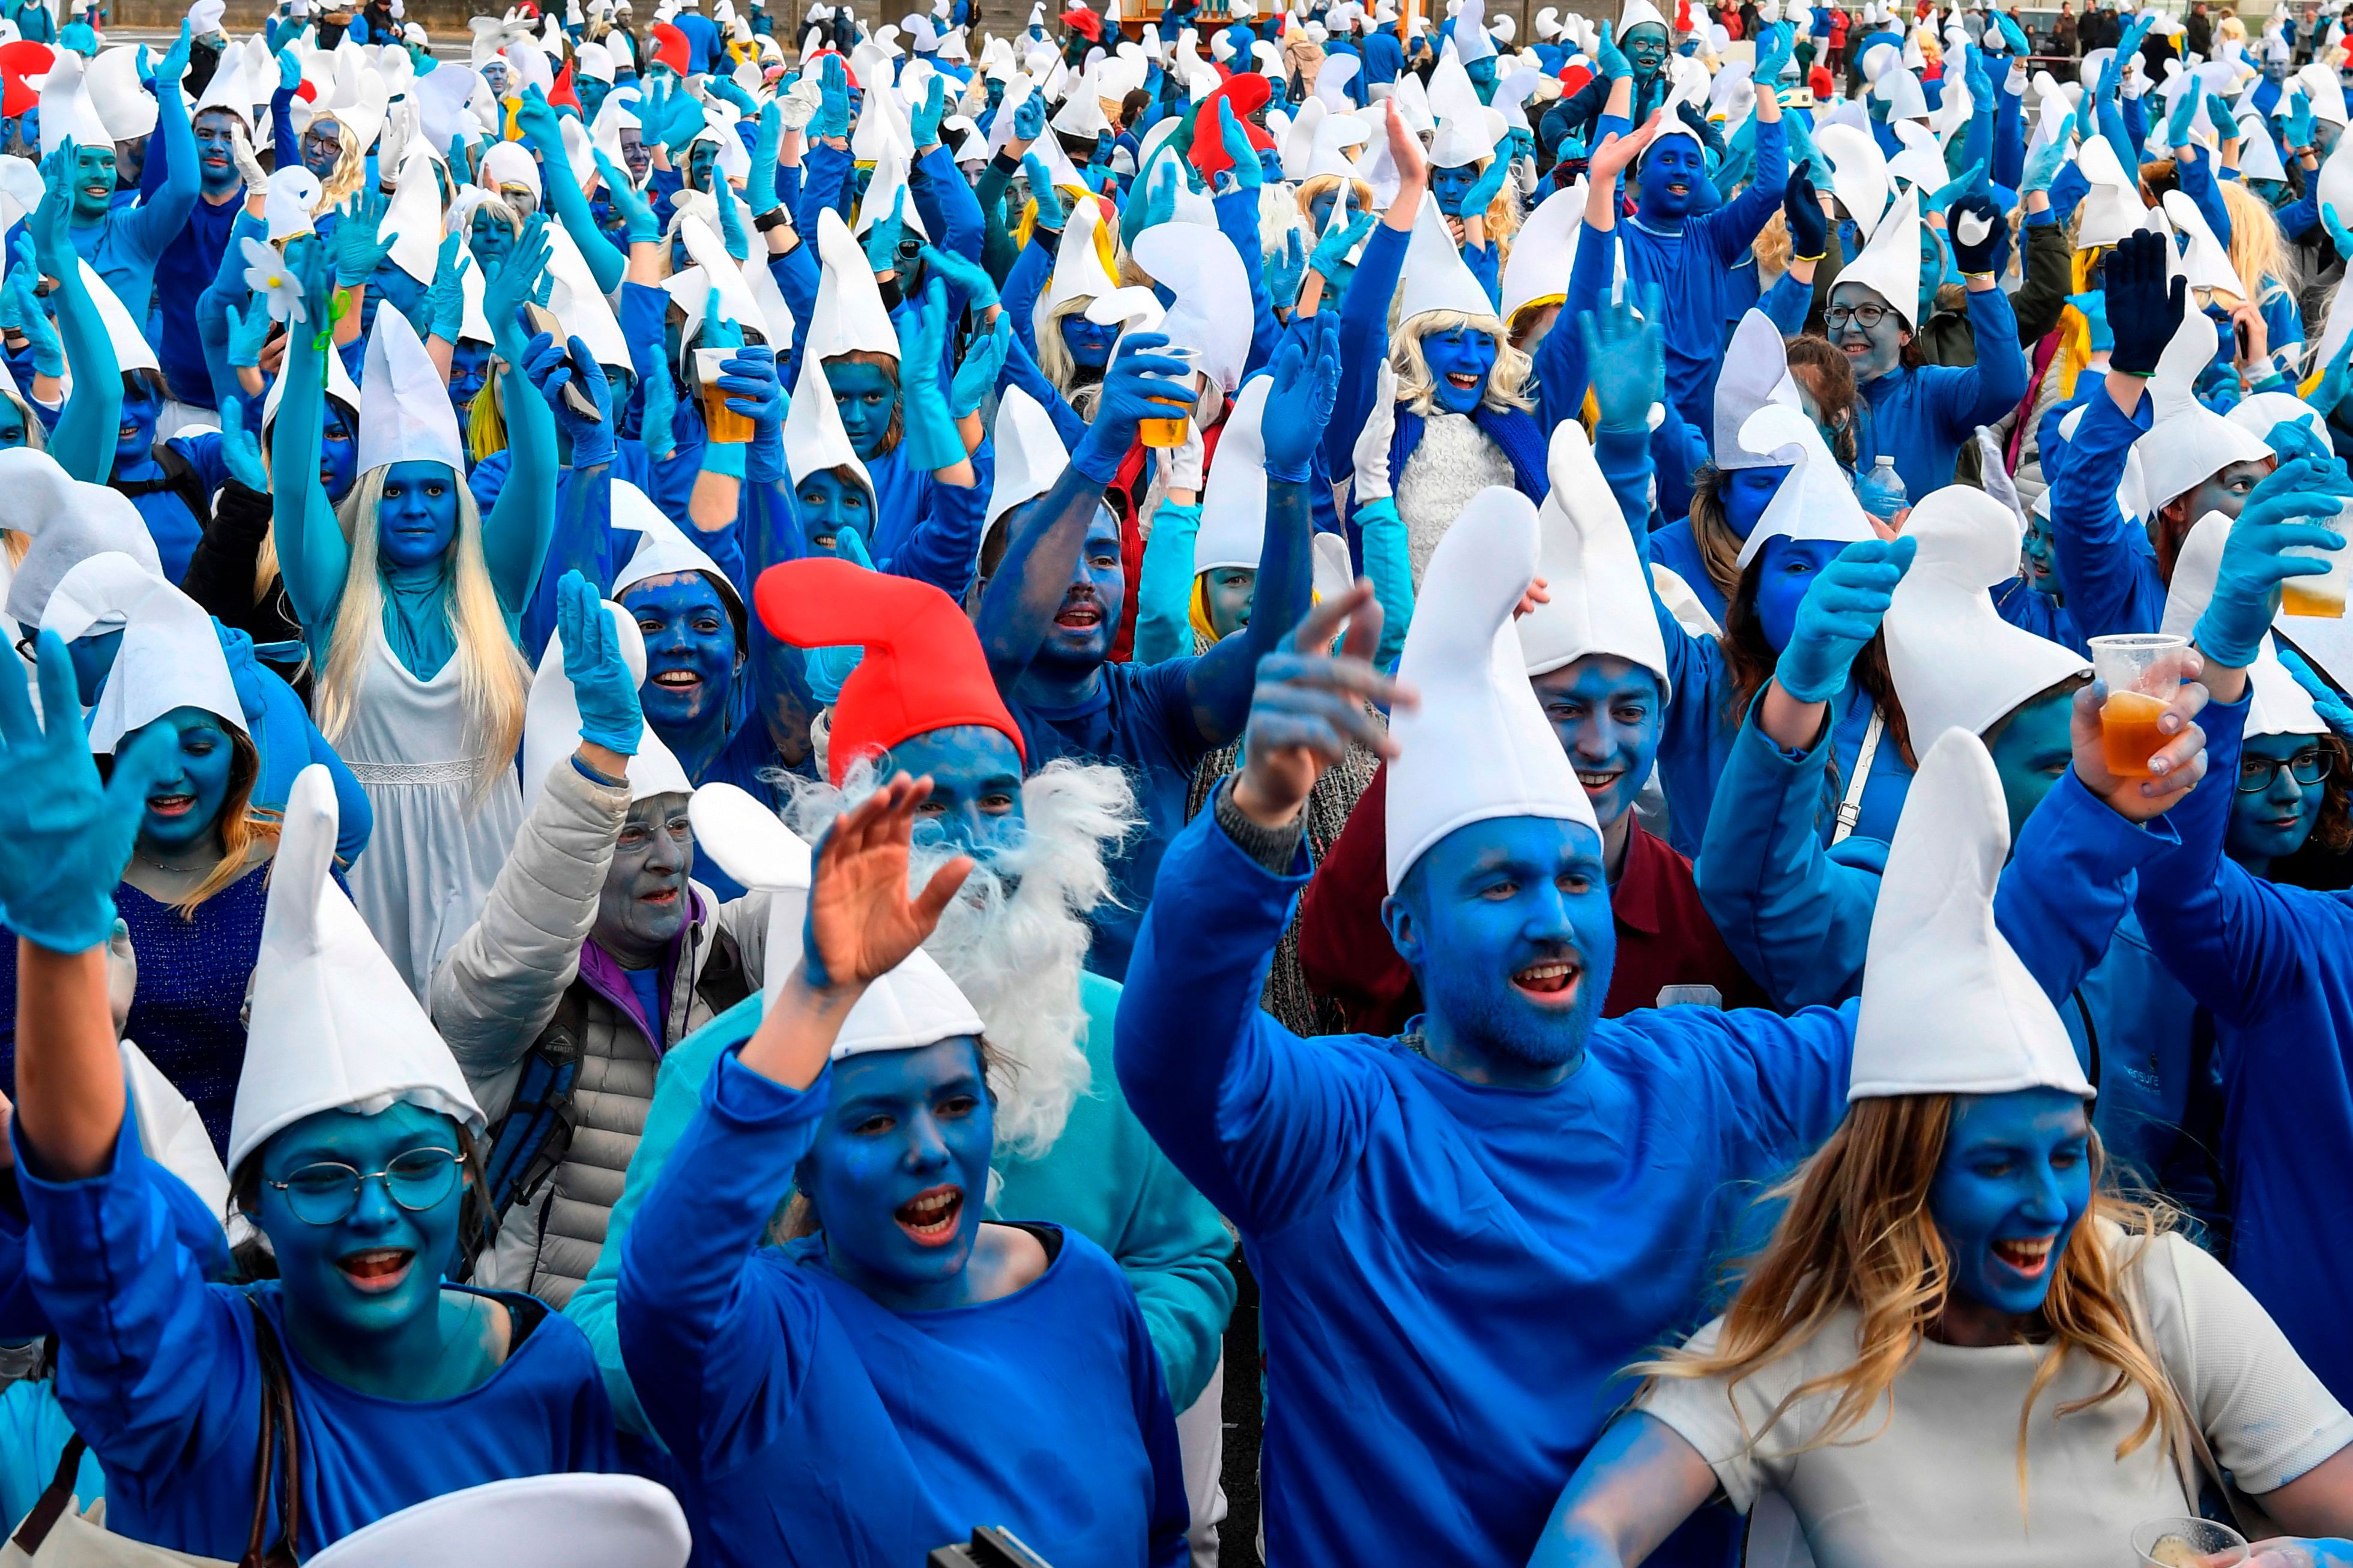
point(516, 533)
point(544, 129)
point(85, 438)
point(1364, 312)
point(159, 218)
point(312, 557)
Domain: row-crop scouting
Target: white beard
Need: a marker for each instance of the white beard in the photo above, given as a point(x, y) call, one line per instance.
point(1016, 937)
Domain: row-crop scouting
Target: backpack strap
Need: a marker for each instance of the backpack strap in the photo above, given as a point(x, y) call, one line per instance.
point(280, 1442)
point(55, 1498)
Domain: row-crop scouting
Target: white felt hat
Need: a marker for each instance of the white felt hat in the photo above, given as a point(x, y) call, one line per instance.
point(171, 658)
point(1029, 453)
point(405, 409)
point(744, 839)
point(1955, 662)
point(1813, 501)
point(286, 208)
point(848, 314)
point(2206, 262)
point(1436, 276)
point(1477, 747)
point(1890, 262)
point(1639, 13)
point(1207, 274)
point(98, 595)
point(413, 218)
point(1858, 177)
point(550, 721)
point(1947, 1007)
point(2112, 209)
point(171, 1133)
point(126, 108)
point(334, 1027)
point(662, 547)
point(1537, 272)
point(2187, 442)
point(131, 349)
point(1078, 272)
point(2277, 703)
point(574, 1520)
point(67, 111)
point(1233, 497)
point(1755, 371)
point(68, 521)
point(815, 437)
point(1586, 556)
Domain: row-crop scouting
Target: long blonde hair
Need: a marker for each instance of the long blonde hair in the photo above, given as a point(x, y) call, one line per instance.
point(1418, 387)
point(2265, 268)
point(1857, 1233)
point(1054, 355)
point(491, 670)
point(351, 166)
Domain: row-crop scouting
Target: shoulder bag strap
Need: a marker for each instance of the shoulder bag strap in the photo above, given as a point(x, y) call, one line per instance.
point(277, 1421)
point(55, 1498)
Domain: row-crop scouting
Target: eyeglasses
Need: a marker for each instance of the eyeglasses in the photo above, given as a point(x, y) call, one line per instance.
point(327, 1193)
point(2306, 767)
point(635, 836)
point(1864, 316)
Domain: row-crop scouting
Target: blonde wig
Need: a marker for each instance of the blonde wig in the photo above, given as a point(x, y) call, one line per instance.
point(2265, 270)
point(1317, 185)
point(1857, 1233)
point(491, 672)
point(344, 180)
point(1419, 388)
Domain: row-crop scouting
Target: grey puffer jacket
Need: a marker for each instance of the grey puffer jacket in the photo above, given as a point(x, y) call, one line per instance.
point(528, 967)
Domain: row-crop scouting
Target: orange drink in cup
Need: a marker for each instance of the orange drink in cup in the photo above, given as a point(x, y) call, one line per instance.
point(1169, 431)
point(723, 423)
point(2141, 671)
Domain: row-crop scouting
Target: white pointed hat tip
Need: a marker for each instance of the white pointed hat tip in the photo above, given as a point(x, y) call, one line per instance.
point(748, 840)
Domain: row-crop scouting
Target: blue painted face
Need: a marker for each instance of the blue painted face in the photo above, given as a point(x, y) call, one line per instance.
point(1229, 593)
point(185, 802)
point(2227, 491)
point(1506, 925)
point(700, 160)
point(338, 452)
point(379, 1267)
point(1084, 626)
point(975, 799)
point(24, 137)
point(93, 657)
point(2015, 1179)
point(866, 395)
point(1090, 342)
point(829, 503)
point(1746, 493)
point(323, 148)
point(93, 182)
point(1460, 359)
point(591, 92)
point(1670, 174)
point(1873, 351)
point(216, 132)
point(1607, 712)
point(2276, 819)
point(1451, 185)
point(13, 432)
point(1481, 72)
point(391, 284)
point(1645, 49)
point(490, 238)
point(635, 153)
point(135, 439)
point(2039, 557)
point(899, 1172)
point(1786, 568)
point(419, 520)
point(469, 367)
point(2034, 753)
point(1319, 207)
point(689, 650)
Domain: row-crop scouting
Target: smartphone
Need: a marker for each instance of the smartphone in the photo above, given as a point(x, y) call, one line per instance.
point(2239, 331)
point(542, 319)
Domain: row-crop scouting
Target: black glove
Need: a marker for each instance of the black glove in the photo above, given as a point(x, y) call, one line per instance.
point(2144, 306)
point(1979, 234)
point(1809, 230)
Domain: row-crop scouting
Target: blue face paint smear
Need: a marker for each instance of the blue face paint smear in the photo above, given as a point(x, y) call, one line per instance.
point(2275, 820)
point(2227, 491)
point(691, 650)
point(975, 799)
point(899, 1172)
point(2032, 752)
point(94, 183)
point(418, 521)
point(1785, 569)
point(215, 134)
point(1645, 47)
point(1607, 712)
point(827, 503)
point(865, 395)
point(1746, 493)
point(491, 239)
point(1460, 359)
point(2038, 559)
point(1083, 627)
point(1090, 342)
point(93, 656)
point(183, 804)
point(1231, 588)
point(390, 284)
point(12, 431)
point(1451, 185)
point(469, 367)
point(2015, 1179)
point(1670, 176)
point(1506, 925)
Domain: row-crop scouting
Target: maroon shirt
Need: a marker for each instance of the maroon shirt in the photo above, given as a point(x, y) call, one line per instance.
point(1664, 936)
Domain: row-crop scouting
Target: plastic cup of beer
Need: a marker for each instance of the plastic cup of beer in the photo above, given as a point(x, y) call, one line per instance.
point(2186, 1544)
point(2321, 596)
point(723, 423)
point(2141, 671)
point(1170, 431)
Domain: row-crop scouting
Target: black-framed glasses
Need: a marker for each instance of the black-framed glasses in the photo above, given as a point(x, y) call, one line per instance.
point(2309, 767)
point(1864, 316)
point(327, 1192)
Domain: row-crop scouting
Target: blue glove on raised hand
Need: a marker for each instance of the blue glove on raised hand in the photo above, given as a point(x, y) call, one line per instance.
point(1809, 227)
point(748, 378)
point(2301, 131)
point(1839, 614)
point(48, 355)
point(247, 331)
point(2095, 306)
point(2043, 166)
point(1246, 172)
point(359, 245)
point(1773, 46)
point(1489, 185)
point(1050, 217)
point(731, 224)
point(979, 289)
point(1937, 201)
point(1611, 60)
point(882, 238)
point(2217, 111)
point(240, 449)
point(2339, 235)
point(636, 212)
point(551, 366)
point(1628, 361)
point(1139, 384)
point(1331, 255)
point(657, 414)
point(924, 119)
point(601, 687)
point(71, 835)
point(289, 71)
point(1980, 83)
point(1030, 119)
point(2177, 124)
point(1306, 380)
point(2145, 305)
point(1284, 270)
point(933, 441)
point(760, 185)
point(2281, 513)
point(445, 303)
point(2012, 35)
point(984, 363)
point(175, 63)
point(2335, 381)
point(1979, 234)
point(832, 121)
point(2068, 188)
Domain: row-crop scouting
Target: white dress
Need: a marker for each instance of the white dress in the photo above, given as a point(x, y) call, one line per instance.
point(439, 841)
point(1453, 462)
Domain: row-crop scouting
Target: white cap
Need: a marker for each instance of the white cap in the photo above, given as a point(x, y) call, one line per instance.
point(815, 437)
point(1233, 497)
point(1586, 554)
point(231, 87)
point(1537, 272)
point(2112, 209)
point(1477, 747)
point(98, 595)
point(1637, 13)
point(573, 1521)
point(1755, 371)
point(744, 839)
point(171, 658)
point(334, 1027)
point(131, 350)
point(2258, 412)
point(413, 218)
point(662, 547)
point(2207, 262)
point(2277, 703)
point(2187, 442)
point(1471, 41)
point(550, 721)
point(1029, 453)
point(1858, 175)
point(714, 268)
point(1436, 276)
point(848, 314)
point(1890, 262)
point(287, 203)
point(1955, 662)
point(340, 386)
point(2324, 89)
point(69, 522)
point(1079, 270)
point(1947, 1008)
point(67, 110)
point(1813, 501)
point(1207, 274)
point(405, 410)
point(126, 108)
point(1921, 158)
point(171, 1133)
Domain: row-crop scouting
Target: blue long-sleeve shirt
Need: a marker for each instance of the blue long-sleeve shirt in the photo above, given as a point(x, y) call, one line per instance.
point(811, 1416)
point(1921, 416)
point(1488, 1258)
point(2107, 568)
point(125, 244)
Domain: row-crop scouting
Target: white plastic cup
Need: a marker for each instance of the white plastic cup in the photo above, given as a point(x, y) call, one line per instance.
point(2321, 597)
point(2194, 1543)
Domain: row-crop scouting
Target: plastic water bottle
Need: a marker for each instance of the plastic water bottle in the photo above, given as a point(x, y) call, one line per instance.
point(1882, 490)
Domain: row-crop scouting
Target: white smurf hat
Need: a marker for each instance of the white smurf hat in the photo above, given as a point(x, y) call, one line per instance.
point(550, 721)
point(1600, 602)
point(405, 410)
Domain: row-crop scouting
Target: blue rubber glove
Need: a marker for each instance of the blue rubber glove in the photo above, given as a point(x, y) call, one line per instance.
point(445, 303)
point(1980, 83)
point(2144, 305)
point(636, 212)
point(1774, 43)
point(1331, 255)
point(1628, 360)
point(40, 334)
point(932, 439)
point(601, 686)
point(175, 63)
point(2329, 390)
point(289, 71)
point(983, 364)
point(1979, 234)
point(1030, 120)
point(749, 379)
point(2177, 124)
point(1284, 270)
point(1306, 379)
point(2218, 110)
point(2042, 167)
point(1139, 384)
point(2300, 131)
point(247, 331)
point(2095, 306)
point(1488, 187)
point(1839, 614)
point(979, 289)
point(1937, 201)
point(2339, 717)
point(1612, 60)
point(882, 238)
point(2069, 186)
point(832, 121)
point(2291, 439)
point(72, 835)
point(359, 245)
point(731, 225)
point(1159, 205)
point(924, 119)
point(1246, 172)
point(1041, 191)
point(760, 186)
point(1809, 228)
point(2281, 514)
point(2339, 235)
point(2013, 36)
point(657, 418)
point(240, 449)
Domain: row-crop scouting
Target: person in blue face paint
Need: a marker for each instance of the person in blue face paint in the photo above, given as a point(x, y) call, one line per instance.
point(348, 1148)
point(1633, 51)
point(123, 240)
point(1999, 1352)
point(84, 434)
point(865, 1082)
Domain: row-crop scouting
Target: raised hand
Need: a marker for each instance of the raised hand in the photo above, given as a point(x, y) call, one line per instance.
point(1937, 201)
point(2281, 514)
point(1030, 119)
point(1610, 160)
point(636, 212)
point(517, 283)
point(601, 684)
point(924, 119)
point(541, 126)
point(2095, 306)
point(1041, 191)
point(1979, 234)
point(446, 304)
point(2300, 131)
point(2042, 167)
point(1284, 270)
point(760, 187)
point(2144, 305)
point(932, 439)
point(1332, 252)
point(882, 238)
point(175, 63)
point(1248, 174)
point(861, 924)
point(1306, 380)
point(979, 289)
point(313, 264)
point(1139, 383)
point(247, 331)
point(360, 248)
point(1629, 362)
point(240, 449)
point(983, 363)
point(833, 106)
point(1839, 614)
point(1309, 706)
point(552, 366)
point(2335, 381)
point(289, 71)
point(2174, 769)
point(1611, 60)
point(1809, 227)
point(1488, 187)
